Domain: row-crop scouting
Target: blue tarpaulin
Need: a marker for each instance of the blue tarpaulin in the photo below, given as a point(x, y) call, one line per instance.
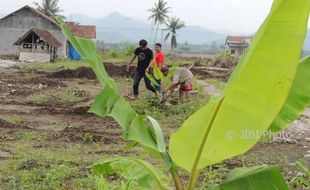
point(73, 54)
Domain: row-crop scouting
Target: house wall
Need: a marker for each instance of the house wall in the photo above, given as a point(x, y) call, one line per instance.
point(15, 26)
point(238, 51)
point(34, 57)
point(237, 47)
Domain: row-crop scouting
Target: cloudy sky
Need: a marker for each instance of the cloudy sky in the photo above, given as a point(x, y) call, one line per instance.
point(234, 16)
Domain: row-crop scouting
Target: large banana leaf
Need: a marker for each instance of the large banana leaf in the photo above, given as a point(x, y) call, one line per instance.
point(110, 103)
point(132, 169)
point(298, 99)
point(256, 178)
point(253, 97)
point(152, 79)
point(157, 74)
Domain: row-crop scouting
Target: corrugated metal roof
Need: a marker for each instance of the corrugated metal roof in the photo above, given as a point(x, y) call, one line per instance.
point(39, 13)
point(239, 38)
point(84, 31)
point(43, 35)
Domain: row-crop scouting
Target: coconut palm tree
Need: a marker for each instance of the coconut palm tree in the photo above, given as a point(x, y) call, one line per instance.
point(49, 7)
point(173, 25)
point(159, 14)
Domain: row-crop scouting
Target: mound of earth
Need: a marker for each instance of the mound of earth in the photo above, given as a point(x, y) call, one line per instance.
point(82, 72)
point(26, 87)
point(207, 73)
point(86, 72)
point(224, 62)
point(46, 82)
point(118, 70)
point(217, 68)
point(222, 71)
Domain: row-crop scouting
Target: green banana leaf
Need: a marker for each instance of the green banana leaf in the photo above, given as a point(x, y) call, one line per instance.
point(253, 97)
point(152, 79)
point(157, 73)
point(161, 145)
point(110, 103)
point(166, 80)
point(255, 178)
point(132, 169)
point(298, 99)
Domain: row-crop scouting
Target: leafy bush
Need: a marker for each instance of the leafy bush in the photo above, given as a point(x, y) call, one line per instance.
point(129, 48)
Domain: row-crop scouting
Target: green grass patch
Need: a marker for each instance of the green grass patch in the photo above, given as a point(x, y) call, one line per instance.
point(56, 66)
point(14, 119)
point(70, 94)
point(46, 169)
point(31, 136)
point(218, 84)
point(213, 175)
point(117, 56)
point(38, 98)
point(170, 116)
point(62, 96)
point(178, 62)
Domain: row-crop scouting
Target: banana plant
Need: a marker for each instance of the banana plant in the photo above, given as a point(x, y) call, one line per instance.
point(136, 128)
point(298, 99)
point(253, 178)
point(254, 95)
point(158, 75)
point(134, 170)
point(266, 91)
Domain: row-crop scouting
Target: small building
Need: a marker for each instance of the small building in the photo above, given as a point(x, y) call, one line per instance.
point(237, 45)
point(16, 24)
point(37, 45)
point(82, 31)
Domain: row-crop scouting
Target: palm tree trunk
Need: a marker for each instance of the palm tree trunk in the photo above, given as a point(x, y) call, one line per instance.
point(162, 36)
point(173, 44)
point(156, 33)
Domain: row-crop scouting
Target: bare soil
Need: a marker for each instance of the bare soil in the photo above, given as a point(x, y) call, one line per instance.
point(86, 72)
point(67, 124)
point(62, 124)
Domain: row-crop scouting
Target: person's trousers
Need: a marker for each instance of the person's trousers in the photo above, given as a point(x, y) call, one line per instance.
point(136, 81)
point(158, 87)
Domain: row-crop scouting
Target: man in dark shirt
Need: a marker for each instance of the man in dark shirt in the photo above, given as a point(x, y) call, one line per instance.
point(145, 56)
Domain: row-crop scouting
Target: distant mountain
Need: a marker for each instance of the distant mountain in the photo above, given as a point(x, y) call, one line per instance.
point(116, 28)
point(199, 35)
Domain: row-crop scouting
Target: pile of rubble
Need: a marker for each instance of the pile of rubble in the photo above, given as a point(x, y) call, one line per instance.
point(218, 67)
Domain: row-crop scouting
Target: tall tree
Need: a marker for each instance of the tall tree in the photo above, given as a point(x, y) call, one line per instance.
point(49, 7)
point(173, 25)
point(159, 14)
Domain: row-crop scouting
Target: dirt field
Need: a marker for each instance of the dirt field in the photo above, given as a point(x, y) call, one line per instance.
point(44, 126)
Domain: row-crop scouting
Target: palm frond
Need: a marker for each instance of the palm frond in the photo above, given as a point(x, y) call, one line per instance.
point(49, 7)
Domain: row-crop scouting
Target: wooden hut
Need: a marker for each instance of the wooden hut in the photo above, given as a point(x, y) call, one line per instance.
point(37, 45)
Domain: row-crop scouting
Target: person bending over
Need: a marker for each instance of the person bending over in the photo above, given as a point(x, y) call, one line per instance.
point(181, 77)
point(145, 56)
